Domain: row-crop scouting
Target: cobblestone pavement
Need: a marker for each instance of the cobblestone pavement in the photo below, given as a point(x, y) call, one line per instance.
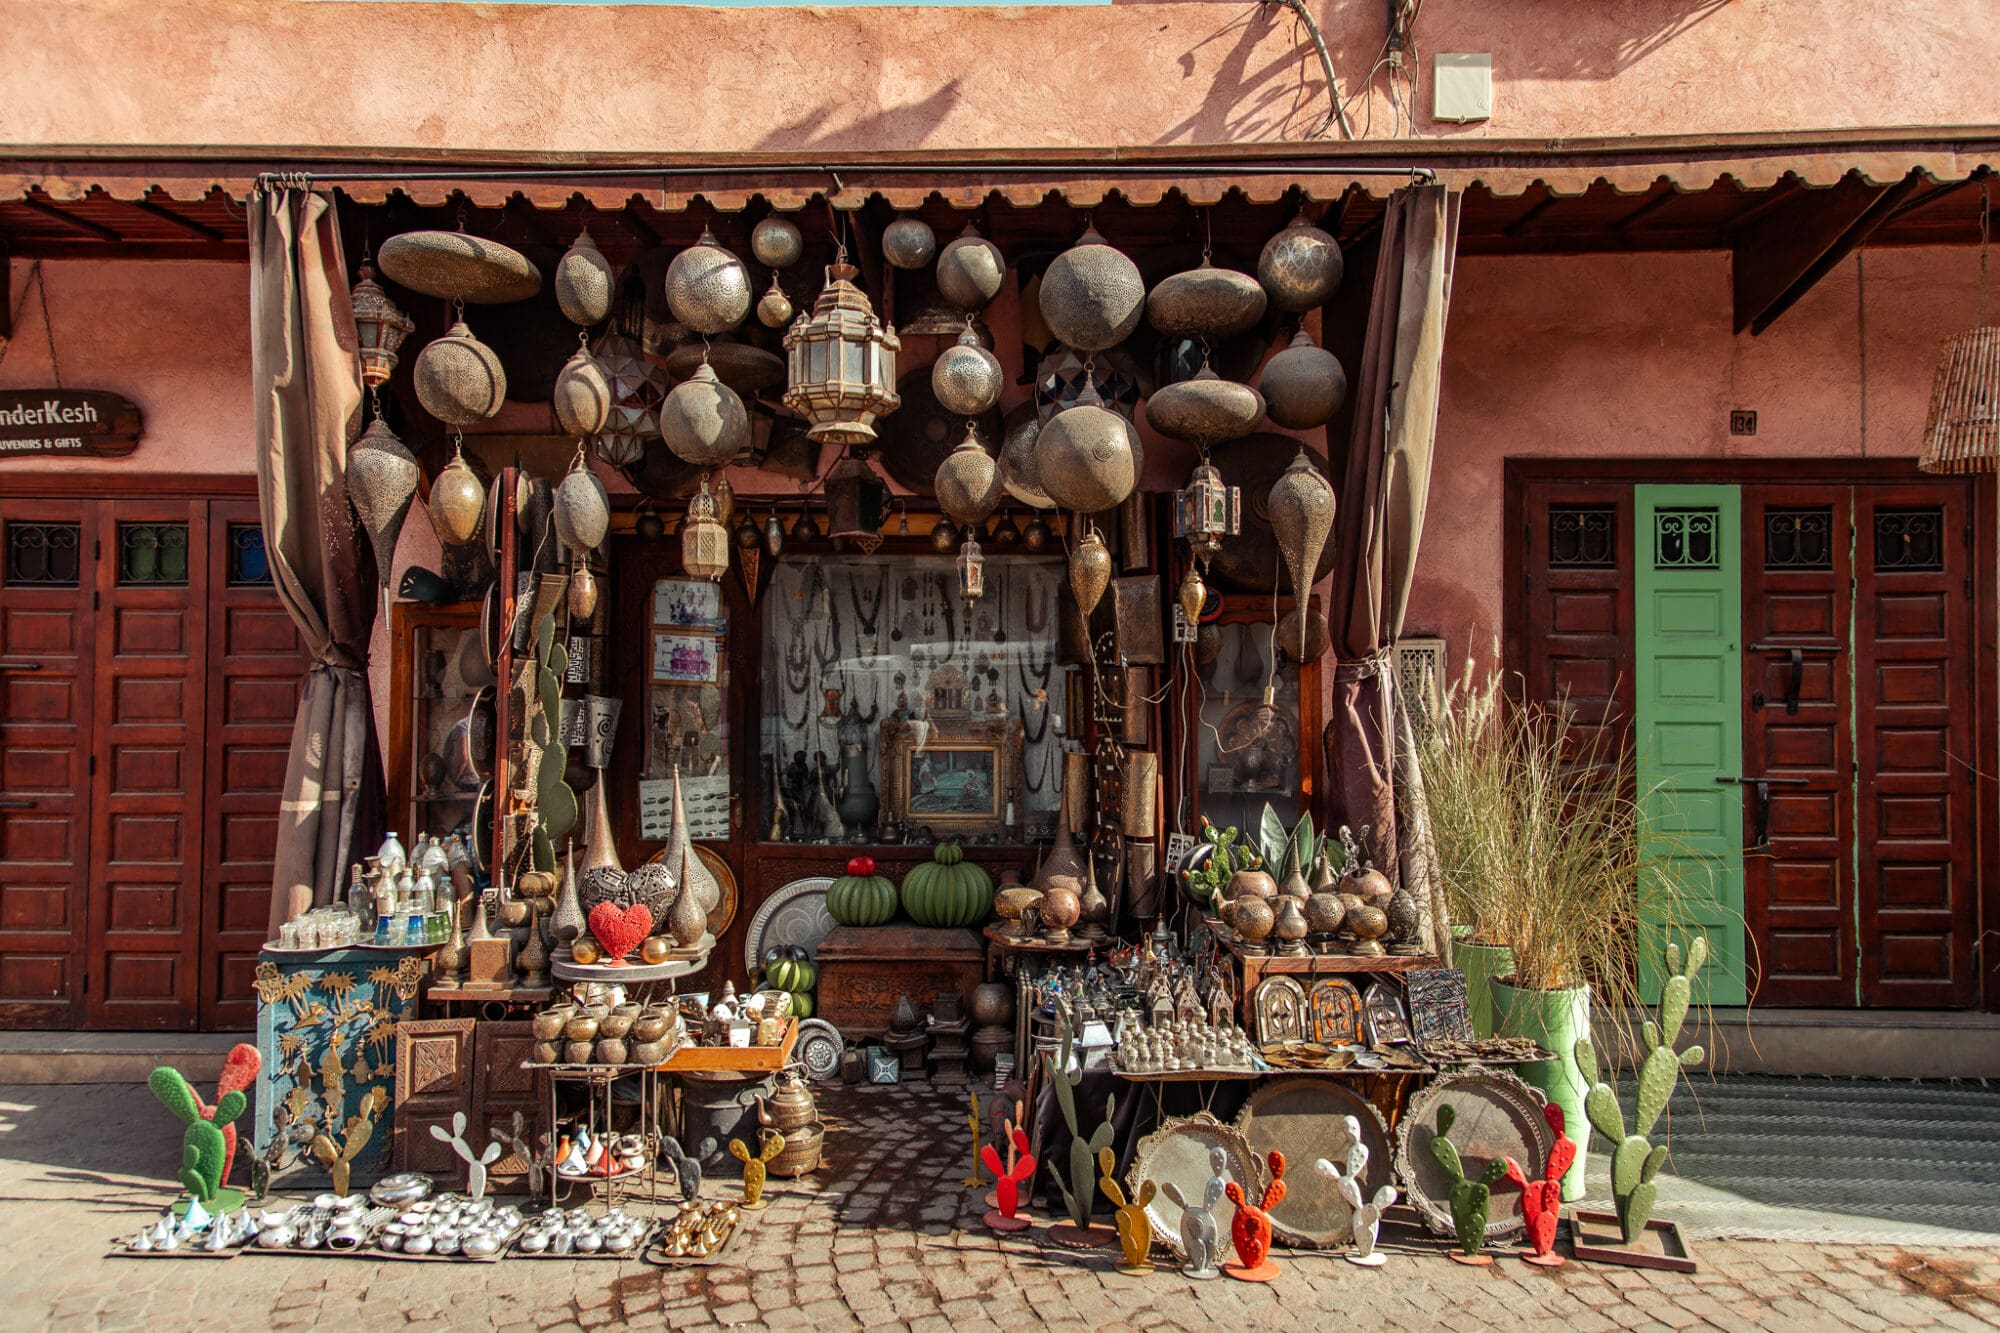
point(885, 1238)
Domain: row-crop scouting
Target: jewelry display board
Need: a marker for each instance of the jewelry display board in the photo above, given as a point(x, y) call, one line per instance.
point(1247, 754)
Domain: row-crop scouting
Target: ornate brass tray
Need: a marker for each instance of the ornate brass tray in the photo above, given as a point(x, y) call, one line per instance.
point(1302, 1118)
point(1177, 1153)
point(1498, 1115)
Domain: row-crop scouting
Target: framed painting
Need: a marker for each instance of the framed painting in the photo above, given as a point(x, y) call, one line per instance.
point(962, 780)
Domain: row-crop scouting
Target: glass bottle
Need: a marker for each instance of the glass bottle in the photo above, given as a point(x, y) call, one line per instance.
point(434, 859)
point(412, 915)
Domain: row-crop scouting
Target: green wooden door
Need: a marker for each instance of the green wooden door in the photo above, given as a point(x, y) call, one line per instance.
point(1687, 615)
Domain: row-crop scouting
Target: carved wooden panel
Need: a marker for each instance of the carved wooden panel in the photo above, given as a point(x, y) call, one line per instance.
point(500, 1089)
point(433, 1081)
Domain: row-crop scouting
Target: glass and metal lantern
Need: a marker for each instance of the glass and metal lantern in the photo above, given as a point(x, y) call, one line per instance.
point(704, 541)
point(379, 328)
point(1207, 511)
point(856, 500)
point(971, 570)
point(841, 363)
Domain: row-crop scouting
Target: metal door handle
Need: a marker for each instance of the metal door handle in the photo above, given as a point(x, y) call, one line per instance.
point(20, 666)
point(1798, 680)
point(16, 803)
point(1760, 823)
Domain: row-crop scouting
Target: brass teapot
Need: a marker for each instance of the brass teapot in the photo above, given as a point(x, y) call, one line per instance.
point(789, 1107)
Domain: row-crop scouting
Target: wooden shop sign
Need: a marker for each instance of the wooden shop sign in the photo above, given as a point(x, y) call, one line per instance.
point(68, 421)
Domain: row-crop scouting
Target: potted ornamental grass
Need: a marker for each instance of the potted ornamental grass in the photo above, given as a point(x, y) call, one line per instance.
point(1566, 877)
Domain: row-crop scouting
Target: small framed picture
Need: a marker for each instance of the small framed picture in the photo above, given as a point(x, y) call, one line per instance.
point(686, 659)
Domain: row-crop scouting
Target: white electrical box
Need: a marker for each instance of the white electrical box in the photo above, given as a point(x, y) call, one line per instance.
point(1462, 87)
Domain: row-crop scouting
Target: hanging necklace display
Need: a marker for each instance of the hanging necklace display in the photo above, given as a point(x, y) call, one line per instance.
point(1041, 701)
point(868, 619)
point(1036, 606)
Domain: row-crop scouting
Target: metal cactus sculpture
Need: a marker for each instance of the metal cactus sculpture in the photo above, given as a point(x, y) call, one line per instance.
point(1082, 1151)
point(1636, 1161)
point(975, 1180)
point(555, 802)
point(338, 1159)
point(1017, 1171)
point(1364, 1216)
point(1200, 1238)
point(1471, 1200)
point(1250, 1229)
point(1135, 1229)
point(754, 1168)
point(687, 1168)
point(515, 1139)
point(475, 1164)
point(203, 1147)
point(1541, 1200)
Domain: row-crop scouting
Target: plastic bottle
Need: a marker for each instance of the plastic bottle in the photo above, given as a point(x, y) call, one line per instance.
point(392, 855)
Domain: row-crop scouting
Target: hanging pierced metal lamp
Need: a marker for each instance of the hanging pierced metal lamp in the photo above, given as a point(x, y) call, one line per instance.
point(856, 499)
point(1962, 431)
point(841, 362)
point(971, 570)
point(379, 328)
point(704, 541)
point(1207, 511)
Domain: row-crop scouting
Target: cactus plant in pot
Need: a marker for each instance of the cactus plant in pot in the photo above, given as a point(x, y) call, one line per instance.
point(1540, 838)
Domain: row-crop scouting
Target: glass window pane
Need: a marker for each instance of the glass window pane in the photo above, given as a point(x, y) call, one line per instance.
point(1248, 754)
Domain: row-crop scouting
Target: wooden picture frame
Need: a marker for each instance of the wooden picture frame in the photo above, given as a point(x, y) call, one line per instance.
point(992, 748)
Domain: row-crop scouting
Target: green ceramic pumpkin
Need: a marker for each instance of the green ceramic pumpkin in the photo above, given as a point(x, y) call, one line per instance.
point(948, 890)
point(861, 897)
point(802, 1005)
point(792, 975)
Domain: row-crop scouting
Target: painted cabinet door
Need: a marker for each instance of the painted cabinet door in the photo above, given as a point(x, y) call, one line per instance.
point(1688, 701)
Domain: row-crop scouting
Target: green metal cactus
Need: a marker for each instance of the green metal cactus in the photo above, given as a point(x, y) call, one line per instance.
point(1471, 1200)
point(555, 802)
point(204, 1149)
point(1082, 1152)
point(1636, 1161)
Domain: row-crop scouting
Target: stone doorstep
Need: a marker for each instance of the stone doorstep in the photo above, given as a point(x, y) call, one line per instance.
point(1846, 1043)
point(113, 1057)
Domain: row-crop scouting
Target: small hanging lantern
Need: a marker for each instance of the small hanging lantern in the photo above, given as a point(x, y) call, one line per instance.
point(1207, 511)
point(776, 242)
point(856, 497)
point(774, 535)
point(584, 282)
point(774, 311)
point(1962, 430)
point(971, 570)
point(379, 328)
point(1193, 594)
point(841, 362)
point(944, 535)
point(704, 541)
point(968, 481)
point(1090, 571)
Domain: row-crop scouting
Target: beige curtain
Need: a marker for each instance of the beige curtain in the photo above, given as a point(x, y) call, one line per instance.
point(308, 397)
point(1384, 479)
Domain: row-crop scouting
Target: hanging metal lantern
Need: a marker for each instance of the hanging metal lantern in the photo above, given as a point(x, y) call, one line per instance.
point(582, 593)
point(1205, 410)
point(971, 571)
point(944, 535)
point(1193, 594)
point(704, 541)
point(703, 421)
point(1207, 511)
point(582, 397)
point(581, 510)
point(967, 378)
point(1089, 571)
point(638, 387)
point(1017, 458)
point(909, 242)
point(774, 311)
point(456, 266)
point(647, 525)
point(1301, 511)
point(457, 502)
point(856, 499)
point(379, 328)
point(725, 500)
point(774, 535)
point(971, 270)
point(1005, 534)
point(1206, 302)
point(776, 242)
point(1083, 457)
point(1962, 431)
point(1036, 536)
point(708, 289)
point(1092, 296)
point(584, 282)
point(841, 363)
point(806, 529)
point(382, 478)
point(1300, 266)
point(1060, 374)
point(459, 379)
point(1303, 385)
point(968, 481)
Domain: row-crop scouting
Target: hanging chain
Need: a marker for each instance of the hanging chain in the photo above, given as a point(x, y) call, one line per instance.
point(1985, 235)
point(41, 287)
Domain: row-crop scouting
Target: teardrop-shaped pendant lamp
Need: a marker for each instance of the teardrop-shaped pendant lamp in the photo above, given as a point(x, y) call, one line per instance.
point(1301, 512)
point(457, 502)
point(382, 477)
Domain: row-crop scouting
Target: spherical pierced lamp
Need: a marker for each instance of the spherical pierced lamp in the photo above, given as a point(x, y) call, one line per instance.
point(841, 363)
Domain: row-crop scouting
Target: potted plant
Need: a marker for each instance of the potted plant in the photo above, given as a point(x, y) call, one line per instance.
point(1540, 840)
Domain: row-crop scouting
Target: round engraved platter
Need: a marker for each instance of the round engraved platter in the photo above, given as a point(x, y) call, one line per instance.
point(1497, 1115)
point(1303, 1119)
point(1177, 1153)
point(793, 915)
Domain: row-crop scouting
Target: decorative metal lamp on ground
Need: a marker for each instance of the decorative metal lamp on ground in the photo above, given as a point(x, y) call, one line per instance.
point(704, 541)
point(379, 328)
point(856, 499)
point(841, 362)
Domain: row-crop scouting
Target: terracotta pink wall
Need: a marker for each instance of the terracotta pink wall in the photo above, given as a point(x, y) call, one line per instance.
point(678, 78)
point(172, 337)
point(1601, 355)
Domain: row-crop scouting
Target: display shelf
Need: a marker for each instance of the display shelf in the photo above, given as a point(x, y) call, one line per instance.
point(735, 1059)
point(997, 936)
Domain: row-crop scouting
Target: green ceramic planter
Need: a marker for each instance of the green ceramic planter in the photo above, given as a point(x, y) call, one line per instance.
point(1557, 1019)
point(1481, 963)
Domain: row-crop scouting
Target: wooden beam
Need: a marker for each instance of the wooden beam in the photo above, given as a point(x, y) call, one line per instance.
point(1521, 224)
point(1645, 210)
point(186, 224)
point(1784, 254)
point(1931, 196)
point(71, 220)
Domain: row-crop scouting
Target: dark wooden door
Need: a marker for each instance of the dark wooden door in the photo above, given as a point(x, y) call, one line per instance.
point(47, 631)
point(1578, 607)
point(1799, 865)
point(143, 733)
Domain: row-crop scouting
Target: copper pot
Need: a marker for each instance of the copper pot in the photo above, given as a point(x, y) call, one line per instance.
point(1250, 883)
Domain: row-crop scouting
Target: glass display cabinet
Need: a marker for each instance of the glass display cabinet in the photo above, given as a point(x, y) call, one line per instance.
point(440, 717)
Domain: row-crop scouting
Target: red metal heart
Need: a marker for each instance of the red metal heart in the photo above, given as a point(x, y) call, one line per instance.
point(620, 930)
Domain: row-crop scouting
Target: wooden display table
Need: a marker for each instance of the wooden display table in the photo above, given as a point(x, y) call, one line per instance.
point(862, 969)
point(1252, 968)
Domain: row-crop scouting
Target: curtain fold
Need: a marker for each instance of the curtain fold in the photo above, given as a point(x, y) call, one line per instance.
point(307, 383)
point(1384, 480)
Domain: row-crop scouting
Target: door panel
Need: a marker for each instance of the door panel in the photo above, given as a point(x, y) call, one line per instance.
point(1797, 677)
point(1918, 835)
point(1579, 608)
point(47, 635)
point(1687, 619)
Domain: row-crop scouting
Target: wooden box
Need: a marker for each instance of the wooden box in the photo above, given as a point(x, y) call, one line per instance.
point(862, 969)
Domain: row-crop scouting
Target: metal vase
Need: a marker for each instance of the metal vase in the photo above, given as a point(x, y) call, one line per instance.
point(567, 922)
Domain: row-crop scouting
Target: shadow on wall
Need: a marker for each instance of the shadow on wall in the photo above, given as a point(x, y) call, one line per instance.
point(891, 125)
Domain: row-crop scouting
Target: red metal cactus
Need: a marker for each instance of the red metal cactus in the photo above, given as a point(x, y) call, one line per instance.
point(1541, 1200)
point(1250, 1229)
point(1011, 1176)
point(239, 1070)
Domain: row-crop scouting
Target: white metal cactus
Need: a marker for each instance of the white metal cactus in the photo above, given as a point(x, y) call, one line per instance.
point(475, 1167)
point(1364, 1217)
point(1199, 1237)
